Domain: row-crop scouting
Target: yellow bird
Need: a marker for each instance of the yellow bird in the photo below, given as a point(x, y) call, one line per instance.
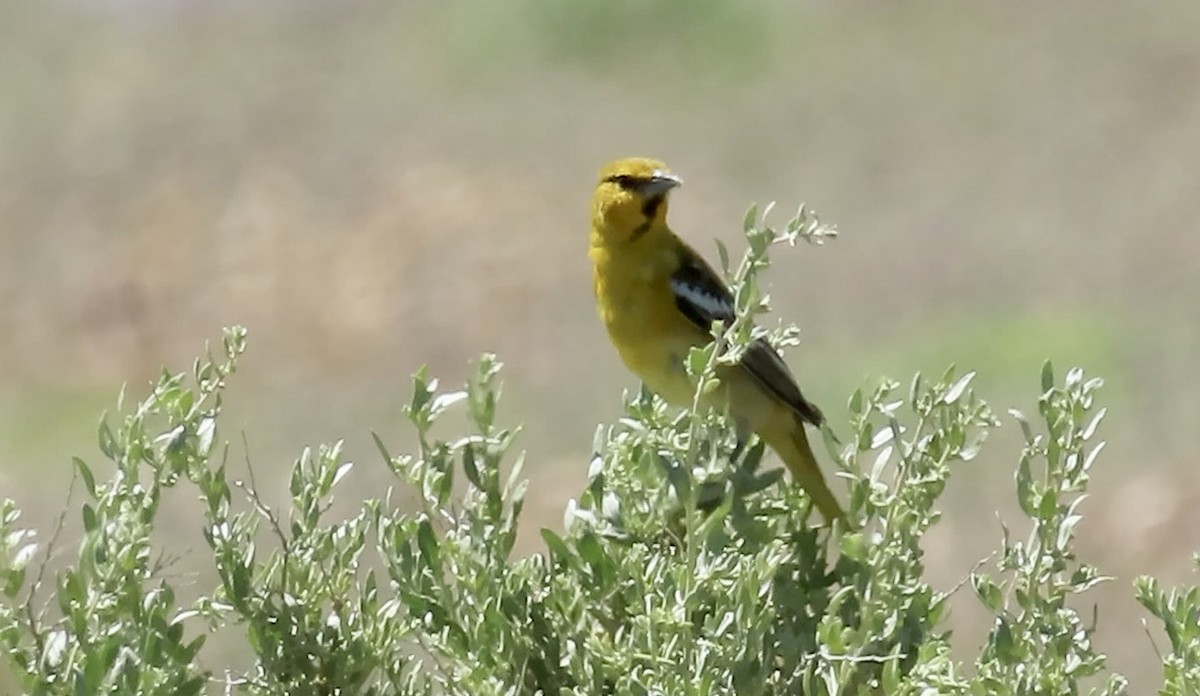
point(658, 298)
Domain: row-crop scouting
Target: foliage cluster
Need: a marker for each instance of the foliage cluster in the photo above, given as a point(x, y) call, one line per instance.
point(684, 567)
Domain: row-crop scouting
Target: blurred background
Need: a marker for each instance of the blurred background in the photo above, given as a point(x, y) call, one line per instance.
point(373, 186)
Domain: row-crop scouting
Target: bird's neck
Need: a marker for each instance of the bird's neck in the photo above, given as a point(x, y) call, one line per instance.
point(609, 245)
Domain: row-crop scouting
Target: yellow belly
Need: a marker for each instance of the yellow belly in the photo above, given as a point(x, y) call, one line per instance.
point(650, 334)
point(661, 366)
point(654, 340)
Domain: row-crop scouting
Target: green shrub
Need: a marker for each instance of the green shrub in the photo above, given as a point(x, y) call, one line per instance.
point(685, 566)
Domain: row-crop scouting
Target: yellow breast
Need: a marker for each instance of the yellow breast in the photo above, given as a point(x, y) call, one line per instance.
point(637, 306)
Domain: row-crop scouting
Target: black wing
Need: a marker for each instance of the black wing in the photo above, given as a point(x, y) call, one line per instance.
point(703, 298)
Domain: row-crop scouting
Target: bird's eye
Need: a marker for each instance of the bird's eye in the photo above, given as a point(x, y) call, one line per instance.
point(623, 180)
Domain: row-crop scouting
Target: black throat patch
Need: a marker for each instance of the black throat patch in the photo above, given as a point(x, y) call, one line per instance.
point(650, 211)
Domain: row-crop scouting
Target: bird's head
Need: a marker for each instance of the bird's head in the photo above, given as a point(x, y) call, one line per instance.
point(631, 198)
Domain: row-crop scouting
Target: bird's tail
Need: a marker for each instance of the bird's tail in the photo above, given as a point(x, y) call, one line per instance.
point(792, 447)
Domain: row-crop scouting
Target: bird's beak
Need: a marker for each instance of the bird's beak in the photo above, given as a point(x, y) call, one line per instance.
point(660, 182)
